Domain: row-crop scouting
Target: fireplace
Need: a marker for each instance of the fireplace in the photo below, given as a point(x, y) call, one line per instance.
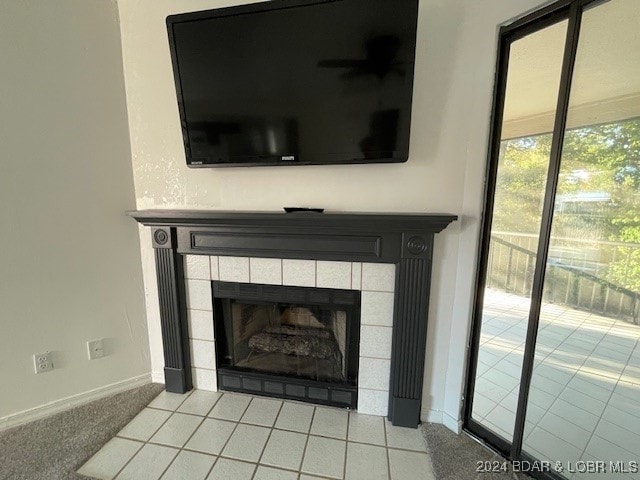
point(398, 246)
point(290, 342)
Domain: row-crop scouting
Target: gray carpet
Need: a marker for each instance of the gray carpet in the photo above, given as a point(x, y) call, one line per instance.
point(55, 447)
point(455, 457)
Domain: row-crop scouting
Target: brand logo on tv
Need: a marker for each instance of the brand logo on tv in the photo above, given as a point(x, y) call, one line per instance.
point(288, 158)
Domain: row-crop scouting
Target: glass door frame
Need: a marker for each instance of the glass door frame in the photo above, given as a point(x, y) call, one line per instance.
point(570, 10)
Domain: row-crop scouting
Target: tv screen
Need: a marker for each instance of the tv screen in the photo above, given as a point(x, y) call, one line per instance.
point(295, 82)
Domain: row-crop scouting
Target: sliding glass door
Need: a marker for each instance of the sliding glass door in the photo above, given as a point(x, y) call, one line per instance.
point(520, 179)
point(555, 366)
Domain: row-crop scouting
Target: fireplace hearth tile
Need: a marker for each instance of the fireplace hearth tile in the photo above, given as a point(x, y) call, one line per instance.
point(284, 449)
point(375, 342)
point(227, 469)
point(149, 463)
point(324, 456)
point(200, 402)
point(176, 431)
point(234, 449)
point(410, 465)
point(300, 273)
point(405, 438)
point(295, 416)
point(234, 269)
point(373, 373)
point(330, 422)
point(169, 401)
point(333, 275)
point(377, 308)
point(373, 402)
point(197, 267)
point(268, 473)
point(247, 443)
point(231, 407)
point(145, 424)
point(366, 462)
point(366, 429)
point(266, 270)
point(189, 465)
point(211, 436)
point(204, 379)
point(199, 295)
point(262, 411)
point(378, 277)
point(200, 325)
point(110, 459)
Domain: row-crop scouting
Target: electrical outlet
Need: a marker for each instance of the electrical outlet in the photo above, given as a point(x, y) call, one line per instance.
point(42, 362)
point(95, 349)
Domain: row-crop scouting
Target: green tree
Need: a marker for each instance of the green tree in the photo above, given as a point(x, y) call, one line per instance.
point(598, 195)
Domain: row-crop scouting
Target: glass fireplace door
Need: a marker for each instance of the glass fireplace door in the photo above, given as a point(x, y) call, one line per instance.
point(287, 339)
point(290, 342)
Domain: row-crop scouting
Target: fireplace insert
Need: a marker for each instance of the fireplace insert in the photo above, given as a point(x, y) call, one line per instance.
point(289, 342)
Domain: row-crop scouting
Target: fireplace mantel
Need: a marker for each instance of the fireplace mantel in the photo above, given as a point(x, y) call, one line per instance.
point(405, 239)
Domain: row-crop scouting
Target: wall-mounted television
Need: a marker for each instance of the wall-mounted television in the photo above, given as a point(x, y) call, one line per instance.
point(295, 82)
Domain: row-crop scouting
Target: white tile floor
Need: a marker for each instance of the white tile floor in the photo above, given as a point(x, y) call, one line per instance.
point(207, 435)
point(585, 390)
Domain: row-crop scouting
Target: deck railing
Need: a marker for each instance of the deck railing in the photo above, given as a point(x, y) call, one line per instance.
point(576, 277)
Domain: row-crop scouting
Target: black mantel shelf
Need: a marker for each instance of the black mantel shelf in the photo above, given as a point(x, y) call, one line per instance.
point(351, 220)
point(405, 239)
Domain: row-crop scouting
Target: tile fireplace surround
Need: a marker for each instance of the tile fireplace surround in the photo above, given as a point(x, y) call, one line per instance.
point(385, 256)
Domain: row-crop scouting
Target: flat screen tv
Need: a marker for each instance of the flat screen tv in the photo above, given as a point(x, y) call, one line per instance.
point(295, 82)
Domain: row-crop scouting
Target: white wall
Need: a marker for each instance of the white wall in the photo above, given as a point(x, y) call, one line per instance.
point(70, 259)
point(455, 62)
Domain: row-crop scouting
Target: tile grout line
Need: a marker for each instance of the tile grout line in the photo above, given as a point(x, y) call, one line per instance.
point(264, 447)
point(127, 462)
point(146, 442)
point(386, 448)
point(351, 276)
point(181, 449)
point(346, 446)
point(306, 441)
point(230, 435)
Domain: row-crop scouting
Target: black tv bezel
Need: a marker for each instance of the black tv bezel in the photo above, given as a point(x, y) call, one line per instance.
point(397, 156)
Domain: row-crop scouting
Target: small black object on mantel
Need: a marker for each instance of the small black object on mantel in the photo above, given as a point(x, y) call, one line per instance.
point(303, 210)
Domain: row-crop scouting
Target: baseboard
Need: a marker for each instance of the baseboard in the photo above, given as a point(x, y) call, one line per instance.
point(67, 403)
point(432, 416)
point(157, 377)
point(442, 418)
point(451, 423)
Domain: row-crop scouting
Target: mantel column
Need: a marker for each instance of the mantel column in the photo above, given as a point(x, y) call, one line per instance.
point(413, 279)
point(173, 310)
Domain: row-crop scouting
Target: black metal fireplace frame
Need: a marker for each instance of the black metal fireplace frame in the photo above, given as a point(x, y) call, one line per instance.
point(285, 386)
point(403, 239)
